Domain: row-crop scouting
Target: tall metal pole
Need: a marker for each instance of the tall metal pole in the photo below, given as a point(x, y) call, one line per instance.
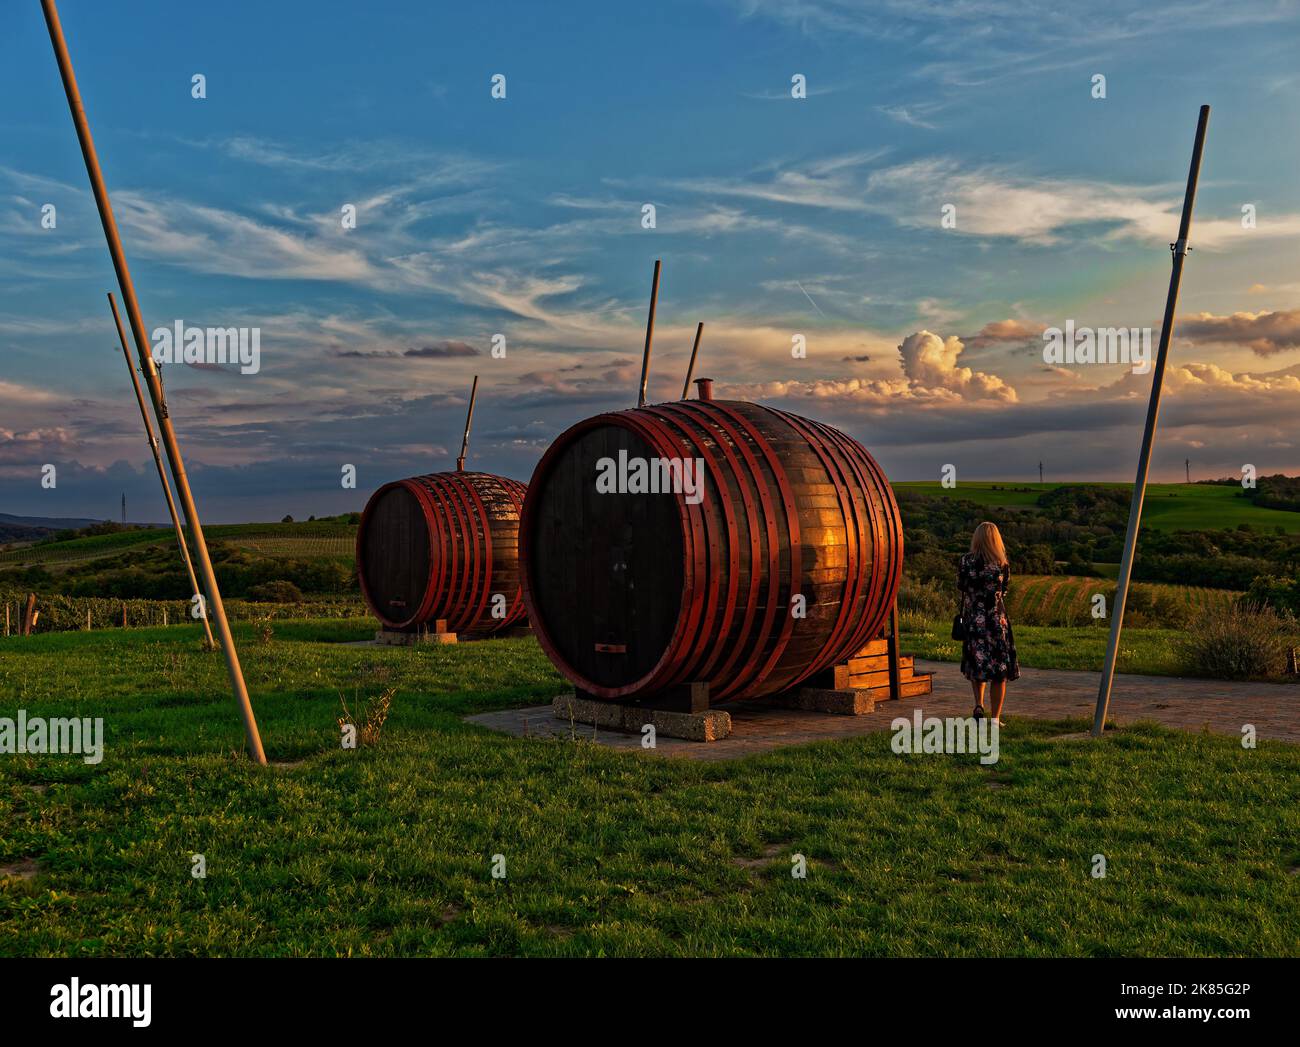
point(1179, 250)
point(151, 376)
point(469, 418)
point(157, 460)
point(690, 368)
point(649, 336)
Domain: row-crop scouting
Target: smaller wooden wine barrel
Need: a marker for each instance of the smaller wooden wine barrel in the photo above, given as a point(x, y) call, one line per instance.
point(443, 546)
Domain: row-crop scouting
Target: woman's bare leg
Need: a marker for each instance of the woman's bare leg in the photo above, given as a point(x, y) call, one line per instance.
point(977, 689)
point(997, 697)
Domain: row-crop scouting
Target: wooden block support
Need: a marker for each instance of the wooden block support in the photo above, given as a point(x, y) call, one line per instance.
point(838, 701)
point(682, 698)
point(395, 638)
point(708, 726)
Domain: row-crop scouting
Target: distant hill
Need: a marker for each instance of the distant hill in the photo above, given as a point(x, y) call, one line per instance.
point(48, 523)
point(33, 528)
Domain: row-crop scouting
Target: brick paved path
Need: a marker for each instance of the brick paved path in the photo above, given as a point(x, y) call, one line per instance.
point(1053, 694)
point(1047, 694)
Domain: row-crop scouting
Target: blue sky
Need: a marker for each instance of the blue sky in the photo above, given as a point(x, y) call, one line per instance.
point(775, 216)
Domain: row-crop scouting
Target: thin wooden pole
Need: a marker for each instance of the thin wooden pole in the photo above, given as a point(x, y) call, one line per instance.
point(1179, 250)
point(469, 419)
point(895, 675)
point(157, 461)
point(690, 368)
point(132, 305)
point(649, 336)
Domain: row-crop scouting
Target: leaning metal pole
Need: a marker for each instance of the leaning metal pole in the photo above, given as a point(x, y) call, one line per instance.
point(690, 368)
point(649, 336)
point(157, 460)
point(1179, 250)
point(151, 377)
point(469, 420)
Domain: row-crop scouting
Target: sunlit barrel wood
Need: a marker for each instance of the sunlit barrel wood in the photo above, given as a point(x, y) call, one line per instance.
point(443, 546)
point(789, 562)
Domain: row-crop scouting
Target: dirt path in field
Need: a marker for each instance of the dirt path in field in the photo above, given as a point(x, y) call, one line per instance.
point(1052, 694)
point(1046, 694)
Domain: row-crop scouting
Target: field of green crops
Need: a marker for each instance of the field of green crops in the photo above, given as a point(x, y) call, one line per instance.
point(1064, 600)
point(83, 613)
point(293, 540)
point(1168, 507)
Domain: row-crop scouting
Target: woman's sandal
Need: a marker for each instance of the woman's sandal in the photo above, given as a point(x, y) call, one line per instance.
point(978, 714)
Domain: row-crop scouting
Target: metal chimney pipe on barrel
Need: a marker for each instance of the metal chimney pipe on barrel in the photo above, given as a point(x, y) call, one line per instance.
point(704, 388)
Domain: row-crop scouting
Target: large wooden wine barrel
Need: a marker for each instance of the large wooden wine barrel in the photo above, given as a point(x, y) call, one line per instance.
point(444, 546)
point(788, 564)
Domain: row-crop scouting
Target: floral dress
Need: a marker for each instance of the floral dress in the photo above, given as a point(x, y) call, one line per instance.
point(989, 651)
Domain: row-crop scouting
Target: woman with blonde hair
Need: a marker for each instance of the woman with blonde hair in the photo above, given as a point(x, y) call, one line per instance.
point(988, 650)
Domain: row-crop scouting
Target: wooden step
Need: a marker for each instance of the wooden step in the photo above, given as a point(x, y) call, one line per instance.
point(876, 679)
point(873, 648)
point(913, 688)
point(875, 663)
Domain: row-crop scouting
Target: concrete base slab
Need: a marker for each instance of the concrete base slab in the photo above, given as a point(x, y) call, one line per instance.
point(710, 726)
point(1221, 707)
point(755, 728)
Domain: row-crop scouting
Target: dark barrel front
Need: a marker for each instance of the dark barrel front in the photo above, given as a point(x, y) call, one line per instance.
point(788, 562)
point(443, 546)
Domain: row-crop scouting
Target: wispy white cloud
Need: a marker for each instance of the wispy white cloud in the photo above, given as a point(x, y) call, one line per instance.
point(214, 240)
point(829, 183)
point(977, 42)
point(993, 202)
point(915, 114)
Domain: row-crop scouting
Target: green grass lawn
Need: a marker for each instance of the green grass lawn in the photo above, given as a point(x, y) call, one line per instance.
point(1151, 652)
point(387, 850)
point(1167, 507)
